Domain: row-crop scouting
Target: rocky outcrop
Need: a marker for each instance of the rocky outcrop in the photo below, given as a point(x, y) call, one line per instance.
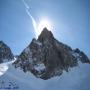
point(79, 55)
point(47, 57)
point(5, 53)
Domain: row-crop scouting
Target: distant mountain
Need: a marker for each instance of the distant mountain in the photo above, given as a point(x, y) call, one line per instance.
point(5, 53)
point(47, 57)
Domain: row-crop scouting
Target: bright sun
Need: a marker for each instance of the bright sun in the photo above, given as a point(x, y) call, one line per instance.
point(44, 23)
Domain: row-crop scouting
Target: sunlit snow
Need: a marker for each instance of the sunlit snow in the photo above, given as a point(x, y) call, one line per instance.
point(78, 78)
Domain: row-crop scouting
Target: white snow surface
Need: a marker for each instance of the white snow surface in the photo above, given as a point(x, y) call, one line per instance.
point(38, 43)
point(39, 67)
point(75, 54)
point(78, 78)
point(4, 66)
point(5, 60)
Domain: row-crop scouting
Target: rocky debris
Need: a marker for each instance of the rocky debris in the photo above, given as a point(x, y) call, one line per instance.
point(5, 53)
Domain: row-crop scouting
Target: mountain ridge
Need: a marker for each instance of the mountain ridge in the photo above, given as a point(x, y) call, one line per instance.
point(46, 57)
point(5, 53)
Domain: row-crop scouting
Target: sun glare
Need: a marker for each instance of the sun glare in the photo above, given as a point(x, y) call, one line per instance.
point(44, 23)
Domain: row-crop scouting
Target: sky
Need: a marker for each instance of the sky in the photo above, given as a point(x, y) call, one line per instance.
point(70, 20)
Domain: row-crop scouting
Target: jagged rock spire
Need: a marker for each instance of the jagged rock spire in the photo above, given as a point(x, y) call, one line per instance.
point(45, 35)
point(5, 52)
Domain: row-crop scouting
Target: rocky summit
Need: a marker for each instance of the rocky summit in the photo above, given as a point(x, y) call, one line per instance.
point(46, 57)
point(5, 53)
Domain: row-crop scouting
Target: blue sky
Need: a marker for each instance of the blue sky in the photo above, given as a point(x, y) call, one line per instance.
point(70, 18)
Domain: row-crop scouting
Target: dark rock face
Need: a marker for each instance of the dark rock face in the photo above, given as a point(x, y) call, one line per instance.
point(81, 56)
point(46, 57)
point(5, 52)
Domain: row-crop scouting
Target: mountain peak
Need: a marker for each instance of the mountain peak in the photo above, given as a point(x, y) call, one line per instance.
point(5, 52)
point(46, 57)
point(1, 42)
point(45, 34)
point(45, 29)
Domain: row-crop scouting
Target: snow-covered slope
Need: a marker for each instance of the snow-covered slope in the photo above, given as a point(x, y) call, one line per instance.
point(78, 78)
point(4, 66)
